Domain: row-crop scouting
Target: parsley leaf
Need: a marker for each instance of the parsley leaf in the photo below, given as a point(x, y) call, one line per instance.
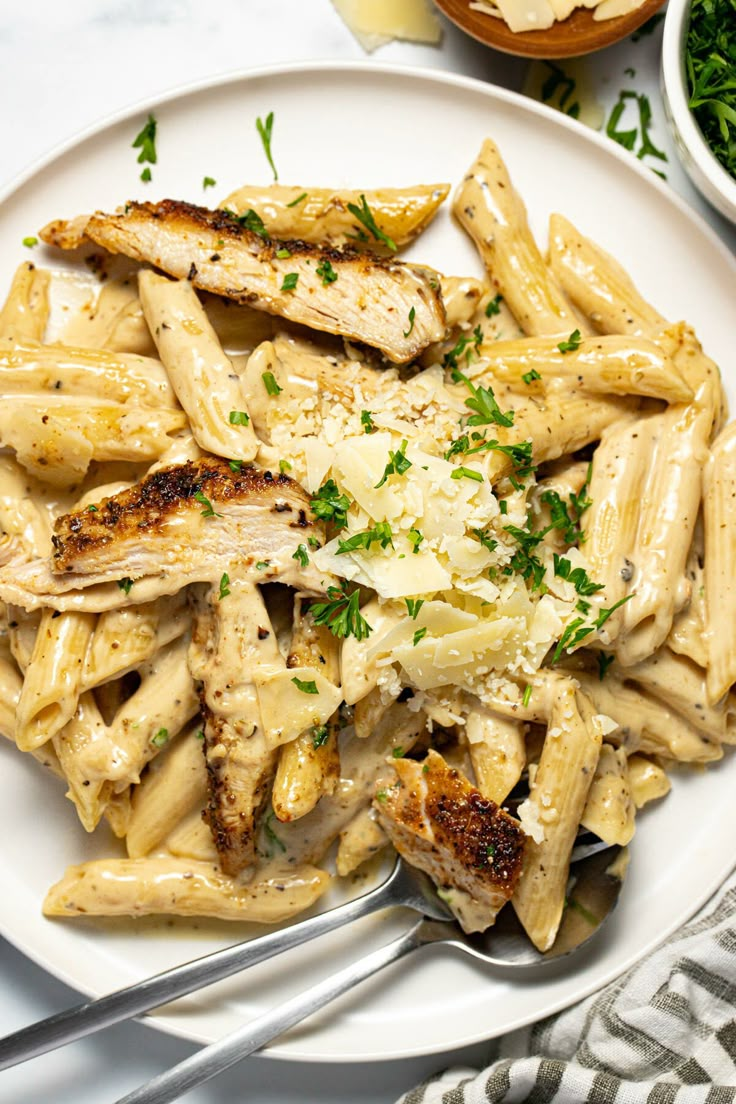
point(326, 273)
point(530, 376)
point(252, 221)
point(239, 417)
point(320, 736)
point(298, 199)
point(208, 509)
point(329, 505)
point(30, 242)
point(366, 420)
point(413, 606)
point(145, 141)
point(341, 614)
point(224, 586)
point(412, 319)
point(364, 215)
point(301, 555)
point(125, 584)
point(604, 662)
point(291, 279)
point(160, 738)
point(307, 686)
point(265, 130)
point(467, 473)
point(269, 382)
point(397, 465)
point(419, 635)
point(493, 306)
point(208, 182)
point(380, 534)
point(466, 344)
point(572, 343)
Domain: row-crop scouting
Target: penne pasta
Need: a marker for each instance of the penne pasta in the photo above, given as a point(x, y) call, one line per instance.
point(174, 786)
point(25, 312)
point(718, 572)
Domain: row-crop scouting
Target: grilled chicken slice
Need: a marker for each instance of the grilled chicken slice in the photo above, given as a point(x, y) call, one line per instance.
point(392, 306)
point(197, 519)
point(233, 642)
point(439, 823)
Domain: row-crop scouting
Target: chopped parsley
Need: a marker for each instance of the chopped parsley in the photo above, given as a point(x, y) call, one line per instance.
point(283, 253)
point(146, 175)
point(562, 85)
point(566, 517)
point(527, 696)
point(520, 453)
point(485, 540)
point(262, 565)
point(235, 465)
point(483, 402)
point(493, 306)
point(531, 375)
point(299, 199)
point(415, 538)
point(269, 382)
point(380, 534)
point(160, 738)
point(125, 584)
point(366, 420)
point(239, 417)
point(320, 736)
point(578, 576)
point(30, 242)
point(145, 141)
point(92, 509)
point(412, 319)
point(604, 662)
point(398, 753)
point(419, 635)
point(398, 464)
point(326, 273)
point(341, 614)
point(710, 62)
point(291, 279)
point(224, 585)
point(364, 215)
point(628, 138)
point(413, 606)
point(307, 686)
point(301, 555)
point(252, 221)
point(208, 509)
point(577, 630)
point(523, 560)
point(572, 343)
point(466, 473)
point(284, 466)
point(265, 131)
point(199, 734)
point(466, 345)
point(208, 182)
point(329, 505)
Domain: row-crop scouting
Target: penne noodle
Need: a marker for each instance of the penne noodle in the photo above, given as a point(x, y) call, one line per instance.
point(681, 685)
point(687, 635)
point(609, 365)
point(58, 443)
point(360, 841)
point(204, 380)
point(598, 285)
point(174, 786)
point(181, 887)
point(553, 810)
point(25, 312)
point(321, 215)
point(31, 369)
point(192, 839)
point(53, 680)
point(610, 807)
point(83, 751)
point(720, 565)
point(489, 208)
point(124, 639)
point(497, 752)
point(647, 780)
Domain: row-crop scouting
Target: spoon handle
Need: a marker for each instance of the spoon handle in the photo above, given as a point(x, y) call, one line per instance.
point(84, 1019)
point(219, 1056)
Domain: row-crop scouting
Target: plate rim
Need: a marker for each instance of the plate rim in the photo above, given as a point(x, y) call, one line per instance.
point(525, 104)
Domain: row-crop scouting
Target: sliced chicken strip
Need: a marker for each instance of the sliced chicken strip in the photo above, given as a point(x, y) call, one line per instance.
point(393, 306)
point(469, 847)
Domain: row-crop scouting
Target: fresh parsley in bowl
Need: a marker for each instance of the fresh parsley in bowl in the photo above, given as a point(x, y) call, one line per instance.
point(699, 88)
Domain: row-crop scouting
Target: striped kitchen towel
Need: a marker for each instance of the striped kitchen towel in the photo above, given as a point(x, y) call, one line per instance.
point(662, 1033)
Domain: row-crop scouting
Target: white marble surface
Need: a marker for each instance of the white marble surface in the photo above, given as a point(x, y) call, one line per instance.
point(62, 68)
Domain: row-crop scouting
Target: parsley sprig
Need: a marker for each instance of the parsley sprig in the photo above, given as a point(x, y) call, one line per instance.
point(145, 141)
point(330, 505)
point(398, 463)
point(364, 215)
point(379, 534)
point(341, 614)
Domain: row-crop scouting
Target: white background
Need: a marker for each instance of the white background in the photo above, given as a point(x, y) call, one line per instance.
point(63, 66)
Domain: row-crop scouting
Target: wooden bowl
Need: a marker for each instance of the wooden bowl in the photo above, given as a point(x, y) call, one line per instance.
point(578, 34)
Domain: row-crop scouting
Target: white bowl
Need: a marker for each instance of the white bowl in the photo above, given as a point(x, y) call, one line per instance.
point(703, 168)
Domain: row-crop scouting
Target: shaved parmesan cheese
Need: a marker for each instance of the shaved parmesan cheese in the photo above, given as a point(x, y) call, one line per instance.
point(376, 22)
point(286, 710)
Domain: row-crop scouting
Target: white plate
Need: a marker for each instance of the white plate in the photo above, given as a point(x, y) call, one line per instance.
point(368, 125)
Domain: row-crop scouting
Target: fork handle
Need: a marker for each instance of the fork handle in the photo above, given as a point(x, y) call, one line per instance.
point(219, 1056)
point(124, 1004)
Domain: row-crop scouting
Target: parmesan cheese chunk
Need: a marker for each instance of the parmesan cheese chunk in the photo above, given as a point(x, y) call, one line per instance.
point(376, 22)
